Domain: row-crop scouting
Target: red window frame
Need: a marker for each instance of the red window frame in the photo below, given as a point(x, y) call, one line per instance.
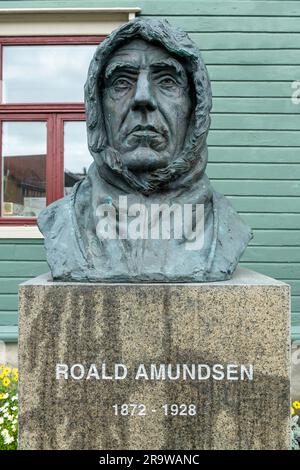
point(54, 113)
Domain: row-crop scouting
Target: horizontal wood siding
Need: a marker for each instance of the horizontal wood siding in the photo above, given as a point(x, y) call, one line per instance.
point(252, 52)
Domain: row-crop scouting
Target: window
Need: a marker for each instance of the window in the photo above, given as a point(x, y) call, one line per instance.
point(76, 154)
point(49, 73)
point(43, 146)
point(24, 149)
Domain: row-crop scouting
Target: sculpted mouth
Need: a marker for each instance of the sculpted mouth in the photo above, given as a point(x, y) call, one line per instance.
point(147, 130)
point(147, 136)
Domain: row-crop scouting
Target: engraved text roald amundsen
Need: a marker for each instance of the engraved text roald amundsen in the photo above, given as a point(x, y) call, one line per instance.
point(197, 372)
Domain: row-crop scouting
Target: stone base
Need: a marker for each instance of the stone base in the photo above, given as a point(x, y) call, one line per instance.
point(240, 323)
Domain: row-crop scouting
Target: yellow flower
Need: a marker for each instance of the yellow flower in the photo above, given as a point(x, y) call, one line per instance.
point(2, 366)
point(15, 379)
point(1, 396)
point(293, 411)
point(6, 382)
point(5, 372)
point(296, 404)
point(15, 371)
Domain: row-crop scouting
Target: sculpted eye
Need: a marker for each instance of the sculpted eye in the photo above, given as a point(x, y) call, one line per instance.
point(167, 82)
point(122, 84)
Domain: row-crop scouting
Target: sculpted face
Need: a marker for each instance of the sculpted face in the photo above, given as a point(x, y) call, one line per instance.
point(146, 105)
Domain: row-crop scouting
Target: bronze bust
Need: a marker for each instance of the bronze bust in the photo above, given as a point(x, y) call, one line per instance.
point(148, 99)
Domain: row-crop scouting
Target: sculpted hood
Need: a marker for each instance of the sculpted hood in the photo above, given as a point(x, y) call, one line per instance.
point(75, 251)
point(178, 44)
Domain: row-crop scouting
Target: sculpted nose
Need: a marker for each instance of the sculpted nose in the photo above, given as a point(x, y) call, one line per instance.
point(143, 97)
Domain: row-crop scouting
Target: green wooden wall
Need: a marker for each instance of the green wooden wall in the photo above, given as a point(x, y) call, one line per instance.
point(252, 51)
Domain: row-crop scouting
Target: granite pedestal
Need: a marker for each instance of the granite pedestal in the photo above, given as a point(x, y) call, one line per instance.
point(87, 349)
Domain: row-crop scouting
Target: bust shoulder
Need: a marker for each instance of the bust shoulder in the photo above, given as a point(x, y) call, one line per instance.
point(232, 238)
point(51, 218)
point(56, 223)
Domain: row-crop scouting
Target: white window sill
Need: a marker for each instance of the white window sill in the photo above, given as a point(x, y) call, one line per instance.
point(19, 231)
point(63, 21)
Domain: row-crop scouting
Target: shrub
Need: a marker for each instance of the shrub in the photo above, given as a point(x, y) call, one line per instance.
point(8, 408)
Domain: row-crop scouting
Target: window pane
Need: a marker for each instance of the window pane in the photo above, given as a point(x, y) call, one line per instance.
point(45, 74)
point(77, 158)
point(24, 148)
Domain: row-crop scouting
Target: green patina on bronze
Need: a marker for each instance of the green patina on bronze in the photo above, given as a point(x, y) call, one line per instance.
point(148, 100)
